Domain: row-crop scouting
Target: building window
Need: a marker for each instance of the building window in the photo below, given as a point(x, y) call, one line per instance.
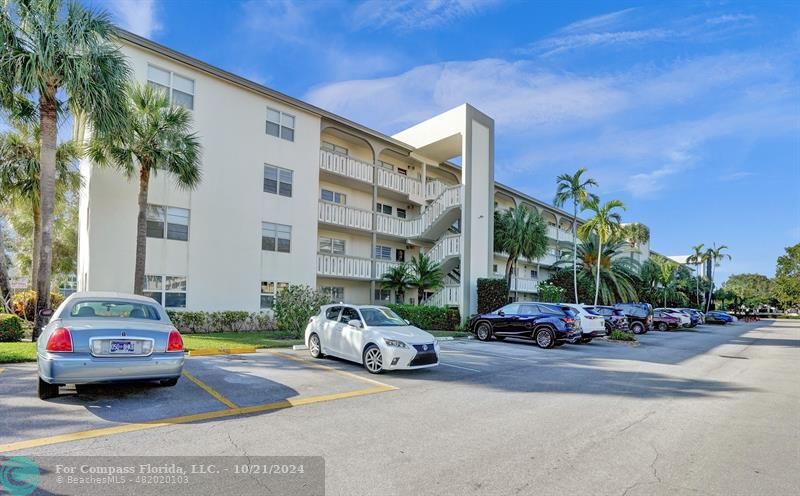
point(276, 237)
point(271, 290)
point(402, 172)
point(335, 148)
point(384, 295)
point(385, 165)
point(383, 252)
point(280, 124)
point(178, 89)
point(169, 291)
point(383, 209)
point(401, 212)
point(331, 245)
point(494, 268)
point(534, 274)
point(333, 196)
point(400, 255)
point(167, 222)
point(335, 294)
point(278, 180)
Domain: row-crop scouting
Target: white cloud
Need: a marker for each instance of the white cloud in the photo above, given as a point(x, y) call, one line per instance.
point(279, 20)
point(604, 21)
point(406, 15)
point(730, 18)
point(735, 176)
point(137, 16)
point(562, 43)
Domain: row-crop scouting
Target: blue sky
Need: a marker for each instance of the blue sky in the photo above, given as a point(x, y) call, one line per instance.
point(688, 112)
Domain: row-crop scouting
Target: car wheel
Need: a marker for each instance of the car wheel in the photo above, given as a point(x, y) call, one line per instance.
point(662, 326)
point(314, 346)
point(373, 359)
point(637, 328)
point(586, 340)
point(169, 382)
point(545, 338)
point(46, 390)
point(484, 331)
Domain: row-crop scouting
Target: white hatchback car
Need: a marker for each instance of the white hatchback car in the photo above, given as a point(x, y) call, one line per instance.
point(593, 325)
point(373, 336)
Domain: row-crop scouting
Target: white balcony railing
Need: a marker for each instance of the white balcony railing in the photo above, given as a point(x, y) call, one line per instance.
point(346, 166)
point(344, 266)
point(433, 189)
point(524, 284)
point(393, 226)
point(342, 215)
point(449, 295)
point(383, 266)
point(398, 182)
point(448, 246)
point(412, 228)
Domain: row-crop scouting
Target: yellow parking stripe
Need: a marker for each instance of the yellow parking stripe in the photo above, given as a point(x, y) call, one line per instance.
point(2, 370)
point(330, 369)
point(121, 429)
point(208, 389)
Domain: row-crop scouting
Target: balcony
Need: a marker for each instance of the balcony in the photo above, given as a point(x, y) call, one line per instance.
point(344, 266)
point(383, 266)
point(449, 295)
point(524, 285)
point(365, 172)
point(433, 189)
point(434, 219)
point(344, 216)
point(399, 183)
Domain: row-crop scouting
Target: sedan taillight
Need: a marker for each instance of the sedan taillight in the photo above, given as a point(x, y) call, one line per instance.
point(60, 341)
point(175, 341)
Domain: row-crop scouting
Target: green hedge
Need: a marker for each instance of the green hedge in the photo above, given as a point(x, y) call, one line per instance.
point(492, 294)
point(429, 318)
point(10, 328)
point(236, 321)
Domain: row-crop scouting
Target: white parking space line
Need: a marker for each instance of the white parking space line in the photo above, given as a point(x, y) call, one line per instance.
point(458, 367)
point(476, 354)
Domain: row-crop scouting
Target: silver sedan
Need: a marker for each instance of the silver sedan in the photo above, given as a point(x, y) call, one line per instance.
point(95, 338)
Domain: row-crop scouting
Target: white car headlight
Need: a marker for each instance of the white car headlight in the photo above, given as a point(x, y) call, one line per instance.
point(395, 343)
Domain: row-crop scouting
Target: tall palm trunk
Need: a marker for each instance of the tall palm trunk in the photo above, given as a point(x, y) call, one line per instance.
point(47, 185)
point(141, 231)
point(697, 281)
point(710, 291)
point(597, 274)
point(5, 283)
point(509, 270)
point(37, 245)
point(575, 250)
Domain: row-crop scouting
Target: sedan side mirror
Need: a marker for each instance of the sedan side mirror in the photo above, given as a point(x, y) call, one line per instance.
point(408, 322)
point(355, 323)
point(501, 313)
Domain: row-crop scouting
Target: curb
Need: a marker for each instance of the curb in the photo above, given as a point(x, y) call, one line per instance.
point(223, 351)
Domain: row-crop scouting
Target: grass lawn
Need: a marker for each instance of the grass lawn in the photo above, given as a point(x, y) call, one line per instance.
point(259, 339)
point(451, 334)
point(17, 352)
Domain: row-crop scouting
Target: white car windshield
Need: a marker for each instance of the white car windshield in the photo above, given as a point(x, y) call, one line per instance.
point(381, 316)
point(89, 309)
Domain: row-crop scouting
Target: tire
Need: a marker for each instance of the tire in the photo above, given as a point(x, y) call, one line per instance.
point(662, 326)
point(484, 331)
point(586, 340)
point(637, 328)
point(500, 338)
point(373, 359)
point(314, 346)
point(46, 390)
point(169, 382)
point(545, 338)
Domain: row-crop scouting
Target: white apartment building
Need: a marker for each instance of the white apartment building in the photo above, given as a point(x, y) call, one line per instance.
point(293, 194)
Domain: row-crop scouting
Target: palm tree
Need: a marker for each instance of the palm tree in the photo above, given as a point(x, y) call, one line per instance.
point(698, 258)
point(5, 283)
point(397, 278)
point(19, 175)
point(425, 275)
point(635, 234)
point(52, 50)
point(157, 137)
point(604, 225)
point(573, 188)
point(618, 275)
point(666, 276)
point(519, 232)
point(715, 255)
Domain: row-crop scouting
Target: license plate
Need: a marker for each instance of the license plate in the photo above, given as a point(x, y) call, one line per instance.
point(121, 347)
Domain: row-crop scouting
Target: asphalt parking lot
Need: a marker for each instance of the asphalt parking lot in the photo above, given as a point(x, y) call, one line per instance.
point(712, 410)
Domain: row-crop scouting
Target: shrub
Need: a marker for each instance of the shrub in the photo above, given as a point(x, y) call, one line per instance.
point(550, 293)
point(24, 303)
point(618, 335)
point(238, 321)
point(429, 317)
point(492, 294)
point(10, 328)
point(295, 305)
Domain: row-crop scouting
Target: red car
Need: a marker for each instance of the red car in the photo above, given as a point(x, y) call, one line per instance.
point(663, 321)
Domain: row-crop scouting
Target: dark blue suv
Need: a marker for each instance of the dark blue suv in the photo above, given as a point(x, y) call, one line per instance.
point(546, 324)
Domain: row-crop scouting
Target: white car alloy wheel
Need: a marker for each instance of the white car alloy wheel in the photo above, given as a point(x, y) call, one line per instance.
point(373, 360)
point(483, 332)
point(314, 346)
